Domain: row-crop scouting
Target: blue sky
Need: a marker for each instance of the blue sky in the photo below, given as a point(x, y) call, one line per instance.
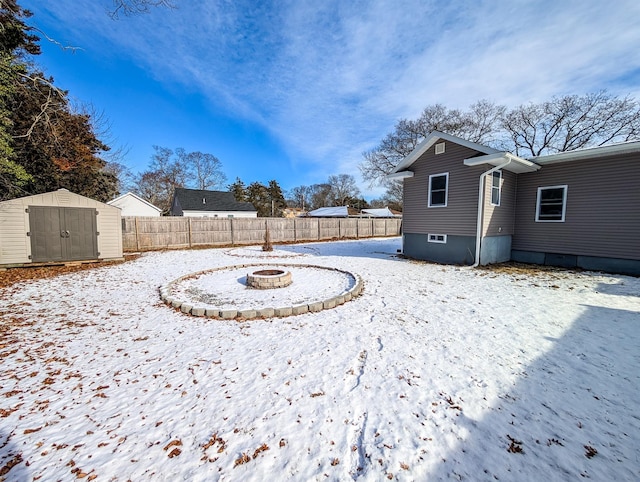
point(297, 90)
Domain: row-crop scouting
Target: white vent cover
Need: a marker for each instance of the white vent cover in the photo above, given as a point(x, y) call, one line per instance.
point(440, 148)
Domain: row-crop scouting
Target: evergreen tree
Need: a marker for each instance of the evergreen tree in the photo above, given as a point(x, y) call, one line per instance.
point(238, 189)
point(44, 143)
point(258, 195)
point(276, 197)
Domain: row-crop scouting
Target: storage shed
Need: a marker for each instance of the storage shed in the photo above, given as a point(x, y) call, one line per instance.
point(58, 227)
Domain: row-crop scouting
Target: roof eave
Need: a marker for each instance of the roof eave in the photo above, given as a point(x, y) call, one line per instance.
point(632, 147)
point(135, 196)
point(400, 175)
point(516, 164)
point(430, 140)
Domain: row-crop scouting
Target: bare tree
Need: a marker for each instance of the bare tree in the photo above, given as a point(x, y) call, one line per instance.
point(135, 7)
point(343, 188)
point(479, 124)
point(206, 169)
point(150, 185)
point(125, 178)
point(165, 173)
point(571, 122)
point(320, 195)
point(561, 124)
point(299, 197)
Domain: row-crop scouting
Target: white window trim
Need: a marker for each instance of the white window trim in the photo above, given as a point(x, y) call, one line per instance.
point(564, 204)
point(499, 188)
point(446, 191)
point(433, 238)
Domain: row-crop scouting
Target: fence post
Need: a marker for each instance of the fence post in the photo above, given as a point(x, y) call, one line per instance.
point(137, 240)
point(231, 224)
point(189, 228)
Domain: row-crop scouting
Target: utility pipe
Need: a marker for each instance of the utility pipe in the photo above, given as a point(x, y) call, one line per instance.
point(483, 176)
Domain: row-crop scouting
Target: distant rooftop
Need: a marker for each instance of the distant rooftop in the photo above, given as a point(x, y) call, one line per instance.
point(198, 200)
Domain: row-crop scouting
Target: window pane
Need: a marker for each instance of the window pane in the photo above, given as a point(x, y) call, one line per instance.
point(495, 196)
point(551, 205)
point(437, 198)
point(496, 179)
point(550, 209)
point(555, 194)
point(438, 183)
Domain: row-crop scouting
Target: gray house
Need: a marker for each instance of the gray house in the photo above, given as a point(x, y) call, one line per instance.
point(465, 203)
point(214, 204)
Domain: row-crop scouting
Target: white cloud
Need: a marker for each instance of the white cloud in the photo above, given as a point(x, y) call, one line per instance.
point(329, 79)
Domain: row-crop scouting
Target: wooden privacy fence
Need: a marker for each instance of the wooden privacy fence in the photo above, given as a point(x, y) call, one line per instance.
point(149, 233)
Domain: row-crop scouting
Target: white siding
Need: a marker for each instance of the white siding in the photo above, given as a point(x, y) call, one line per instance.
point(220, 214)
point(15, 246)
point(131, 206)
point(110, 228)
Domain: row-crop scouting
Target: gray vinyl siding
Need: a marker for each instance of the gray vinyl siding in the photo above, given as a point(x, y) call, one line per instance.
point(602, 216)
point(460, 215)
point(500, 220)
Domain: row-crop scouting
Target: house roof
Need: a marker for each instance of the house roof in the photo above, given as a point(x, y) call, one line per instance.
point(630, 147)
point(197, 200)
point(114, 201)
point(381, 212)
point(429, 141)
point(337, 211)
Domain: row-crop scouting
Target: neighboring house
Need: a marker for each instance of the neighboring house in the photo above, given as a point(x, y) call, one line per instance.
point(214, 204)
point(293, 212)
point(381, 213)
point(333, 212)
point(132, 205)
point(466, 203)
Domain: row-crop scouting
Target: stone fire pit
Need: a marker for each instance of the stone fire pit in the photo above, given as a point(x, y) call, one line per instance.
point(268, 279)
point(225, 292)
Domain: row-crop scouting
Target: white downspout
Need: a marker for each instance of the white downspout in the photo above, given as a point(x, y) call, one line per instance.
point(481, 208)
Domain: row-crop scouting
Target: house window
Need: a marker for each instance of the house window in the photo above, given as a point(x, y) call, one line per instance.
point(437, 238)
point(496, 181)
point(438, 186)
point(552, 204)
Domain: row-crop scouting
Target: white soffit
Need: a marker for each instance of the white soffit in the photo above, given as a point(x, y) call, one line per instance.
point(517, 165)
point(400, 175)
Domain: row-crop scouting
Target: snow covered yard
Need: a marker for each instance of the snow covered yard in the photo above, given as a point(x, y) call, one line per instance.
point(435, 372)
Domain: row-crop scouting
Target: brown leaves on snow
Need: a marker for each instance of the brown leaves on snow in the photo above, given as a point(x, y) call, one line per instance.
point(176, 451)
point(515, 447)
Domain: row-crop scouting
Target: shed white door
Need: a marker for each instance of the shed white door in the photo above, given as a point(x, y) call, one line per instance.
point(62, 234)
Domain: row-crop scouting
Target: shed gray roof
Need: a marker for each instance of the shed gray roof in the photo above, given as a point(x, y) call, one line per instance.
point(197, 200)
